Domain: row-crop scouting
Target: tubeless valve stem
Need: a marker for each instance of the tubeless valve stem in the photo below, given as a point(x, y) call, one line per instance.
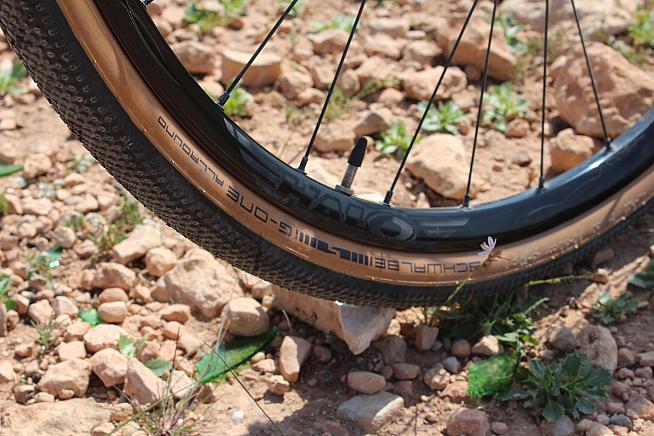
point(353, 164)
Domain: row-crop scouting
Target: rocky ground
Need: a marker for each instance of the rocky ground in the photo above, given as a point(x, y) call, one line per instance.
point(104, 310)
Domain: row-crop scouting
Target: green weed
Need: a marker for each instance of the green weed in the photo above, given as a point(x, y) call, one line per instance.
point(512, 30)
point(443, 119)
point(503, 105)
point(10, 76)
point(395, 140)
point(43, 263)
point(81, 163)
point(343, 22)
point(236, 106)
point(609, 310)
point(207, 19)
point(567, 387)
point(5, 299)
point(45, 336)
point(641, 30)
point(4, 204)
point(297, 10)
point(115, 233)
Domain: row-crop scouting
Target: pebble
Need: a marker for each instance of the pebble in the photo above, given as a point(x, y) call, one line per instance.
point(405, 371)
point(110, 366)
point(437, 378)
point(371, 412)
point(468, 422)
point(564, 340)
point(451, 364)
point(112, 295)
point(113, 313)
point(425, 337)
point(365, 382)
point(71, 350)
point(177, 312)
point(487, 346)
point(293, 352)
point(393, 349)
point(246, 317)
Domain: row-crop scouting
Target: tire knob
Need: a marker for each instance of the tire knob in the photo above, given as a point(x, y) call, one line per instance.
point(353, 164)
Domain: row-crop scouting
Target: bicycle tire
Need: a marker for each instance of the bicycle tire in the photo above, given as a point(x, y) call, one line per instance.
point(59, 63)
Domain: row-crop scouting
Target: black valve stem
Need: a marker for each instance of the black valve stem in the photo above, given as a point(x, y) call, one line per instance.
point(353, 164)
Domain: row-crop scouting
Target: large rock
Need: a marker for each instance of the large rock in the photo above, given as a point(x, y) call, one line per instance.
point(265, 70)
point(76, 417)
point(440, 160)
point(609, 17)
point(468, 422)
point(245, 317)
point(201, 282)
point(139, 241)
point(371, 412)
point(72, 374)
point(420, 85)
point(292, 355)
point(600, 347)
point(472, 50)
point(110, 366)
point(142, 385)
point(357, 326)
point(626, 92)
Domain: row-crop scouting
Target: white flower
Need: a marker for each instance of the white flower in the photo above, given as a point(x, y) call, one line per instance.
point(238, 416)
point(488, 247)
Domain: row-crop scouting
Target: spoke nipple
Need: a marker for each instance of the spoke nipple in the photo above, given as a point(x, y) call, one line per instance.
point(353, 164)
point(541, 183)
point(466, 200)
point(303, 164)
point(223, 99)
point(387, 199)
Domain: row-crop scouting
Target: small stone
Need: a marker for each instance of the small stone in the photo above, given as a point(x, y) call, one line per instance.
point(499, 427)
point(138, 242)
point(425, 337)
point(23, 393)
point(265, 71)
point(646, 359)
point(457, 391)
point(640, 407)
point(65, 394)
point(72, 374)
point(366, 382)
point(7, 374)
point(452, 364)
point(104, 429)
point(622, 421)
point(113, 313)
point(173, 330)
point(41, 312)
point(278, 386)
point(265, 366)
point(112, 295)
point(177, 312)
point(190, 343)
point(487, 346)
point(645, 372)
point(113, 275)
point(437, 378)
point(159, 260)
point(64, 236)
point(110, 366)
point(64, 306)
point(371, 412)
point(198, 58)
point(293, 352)
point(468, 422)
point(322, 354)
point(76, 331)
point(405, 371)
point(103, 336)
point(71, 350)
point(141, 384)
point(564, 340)
point(562, 427)
point(246, 317)
point(626, 357)
point(600, 347)
point(393, 349)
point(44, 397)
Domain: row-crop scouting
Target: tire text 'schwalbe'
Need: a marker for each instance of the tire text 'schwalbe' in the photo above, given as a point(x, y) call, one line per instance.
point(57, 62)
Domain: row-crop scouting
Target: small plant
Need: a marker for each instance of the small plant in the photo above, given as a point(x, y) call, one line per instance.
point(117, 232)
point(81, 163)
point(4, 204)
point(609, 310)
point(338, 105)
point(9, 77)
point(45, 336)
point(395, 140)
point(512, 31)
point(644, 279)
point(567, 387)
point(43, 263)
point(343, 22)
point(502, 317)
point(642, 29)
point(76, 223)
point(236, 106)
point(5, 286)
point(207, 19)
point(297, 10)
point(503, 105)
point(444, 119)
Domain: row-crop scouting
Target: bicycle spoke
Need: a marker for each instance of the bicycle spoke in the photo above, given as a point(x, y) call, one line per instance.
point(484, 83)
point(314, 136)
point(541, 181)
point(448, 64)
point(607, 140)
point(227, 94)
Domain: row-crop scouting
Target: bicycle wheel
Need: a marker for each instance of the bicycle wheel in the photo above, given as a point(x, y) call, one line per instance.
point(113, 79)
